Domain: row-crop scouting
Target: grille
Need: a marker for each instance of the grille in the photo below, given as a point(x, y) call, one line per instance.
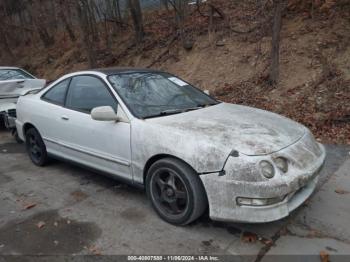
point(12, 113)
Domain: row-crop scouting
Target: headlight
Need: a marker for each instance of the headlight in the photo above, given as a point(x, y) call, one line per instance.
point(267, 169)
point(282, 164)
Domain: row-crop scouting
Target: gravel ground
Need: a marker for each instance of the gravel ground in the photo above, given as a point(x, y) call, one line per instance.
point(62, 209)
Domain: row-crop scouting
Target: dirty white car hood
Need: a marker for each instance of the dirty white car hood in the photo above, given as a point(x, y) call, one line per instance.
point(230, 127)
point(15, 88)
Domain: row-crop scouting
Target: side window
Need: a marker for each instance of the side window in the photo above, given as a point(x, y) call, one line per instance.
point(57, 93)
point(87, 92)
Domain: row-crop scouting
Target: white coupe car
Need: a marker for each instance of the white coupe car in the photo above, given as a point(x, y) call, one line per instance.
point(187, 149)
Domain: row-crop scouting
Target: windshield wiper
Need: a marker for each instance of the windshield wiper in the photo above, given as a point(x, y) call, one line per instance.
point(208, 104)
point(171, 111)
point(166, 112)
point(178, 111)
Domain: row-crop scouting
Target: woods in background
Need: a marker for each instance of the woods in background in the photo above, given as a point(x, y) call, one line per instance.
point(97, 22)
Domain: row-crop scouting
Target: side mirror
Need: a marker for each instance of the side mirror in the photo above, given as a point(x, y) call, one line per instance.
point(104, 113)
point(107, 113)
point(207, 92)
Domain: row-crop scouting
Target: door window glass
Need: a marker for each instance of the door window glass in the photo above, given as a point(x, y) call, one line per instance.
point(87, 92)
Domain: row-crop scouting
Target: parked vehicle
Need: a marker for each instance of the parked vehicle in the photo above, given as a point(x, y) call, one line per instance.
point(15, 82)
point(187, 149)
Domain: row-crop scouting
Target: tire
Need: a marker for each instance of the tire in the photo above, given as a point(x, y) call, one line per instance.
point(175, 191)
point(36, 148)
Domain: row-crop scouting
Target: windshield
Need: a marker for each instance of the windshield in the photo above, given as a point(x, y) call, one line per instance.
point(156, 94)
point(10, 74)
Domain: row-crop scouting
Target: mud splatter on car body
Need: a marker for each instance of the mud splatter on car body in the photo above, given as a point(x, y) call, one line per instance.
point(205, 139)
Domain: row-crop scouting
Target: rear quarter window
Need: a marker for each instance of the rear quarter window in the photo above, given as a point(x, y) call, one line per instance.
point(57, 93)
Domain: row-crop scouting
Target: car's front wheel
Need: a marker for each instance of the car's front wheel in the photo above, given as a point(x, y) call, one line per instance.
point(36, 148)
point(176, 191)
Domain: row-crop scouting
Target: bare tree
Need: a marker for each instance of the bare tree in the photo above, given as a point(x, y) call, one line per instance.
point(116, 7)
point(181, 10)
point(37, 16)
point(165, 3)
point(275, 44)
point(63, 4)
point(85, 26)
point(136, 15)
point(4, 43)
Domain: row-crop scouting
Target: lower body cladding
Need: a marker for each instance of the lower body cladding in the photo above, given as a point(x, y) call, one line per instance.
point(255, 202)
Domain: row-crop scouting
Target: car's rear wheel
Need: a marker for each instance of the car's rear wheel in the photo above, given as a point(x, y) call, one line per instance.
point(176, 191)
point(36, 148)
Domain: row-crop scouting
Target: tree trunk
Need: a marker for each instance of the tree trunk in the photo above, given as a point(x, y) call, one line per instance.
point(210, 27)
point(136, 15)
point(117, 7)
point(68, 29)
point(65, 22)
point(275, 44)
point(44, 35)
point(91, 18)
point(4, 41)
point(37, 17)
point(180, 7)
point(86, 32)
point(165, 3)
point(54, 14)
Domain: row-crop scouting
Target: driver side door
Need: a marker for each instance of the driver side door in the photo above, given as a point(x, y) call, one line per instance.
point(102, 145)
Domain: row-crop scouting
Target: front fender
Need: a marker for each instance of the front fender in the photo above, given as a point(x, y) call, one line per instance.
point(149, 140)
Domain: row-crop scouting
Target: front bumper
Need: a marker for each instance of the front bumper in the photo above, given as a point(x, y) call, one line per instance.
point(8, 114)
point(222, 192)
point(8, 119)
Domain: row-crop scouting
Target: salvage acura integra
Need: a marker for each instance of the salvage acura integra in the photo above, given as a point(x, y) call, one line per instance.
point(190, 151)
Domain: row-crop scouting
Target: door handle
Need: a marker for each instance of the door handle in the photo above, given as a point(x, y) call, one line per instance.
point(65, 118)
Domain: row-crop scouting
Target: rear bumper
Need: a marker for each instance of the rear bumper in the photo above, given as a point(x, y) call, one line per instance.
point(223, 192)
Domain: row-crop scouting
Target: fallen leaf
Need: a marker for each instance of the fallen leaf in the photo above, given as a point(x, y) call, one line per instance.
point(314, 233)
point(267, 242)
point(341, 191)
point(29, 206)
point(324, 256)
point(40, 224)
point(249, 237)
point(95, 250)
point(79, 195)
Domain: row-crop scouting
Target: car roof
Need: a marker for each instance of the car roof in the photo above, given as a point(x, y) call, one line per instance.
point(118, 70)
